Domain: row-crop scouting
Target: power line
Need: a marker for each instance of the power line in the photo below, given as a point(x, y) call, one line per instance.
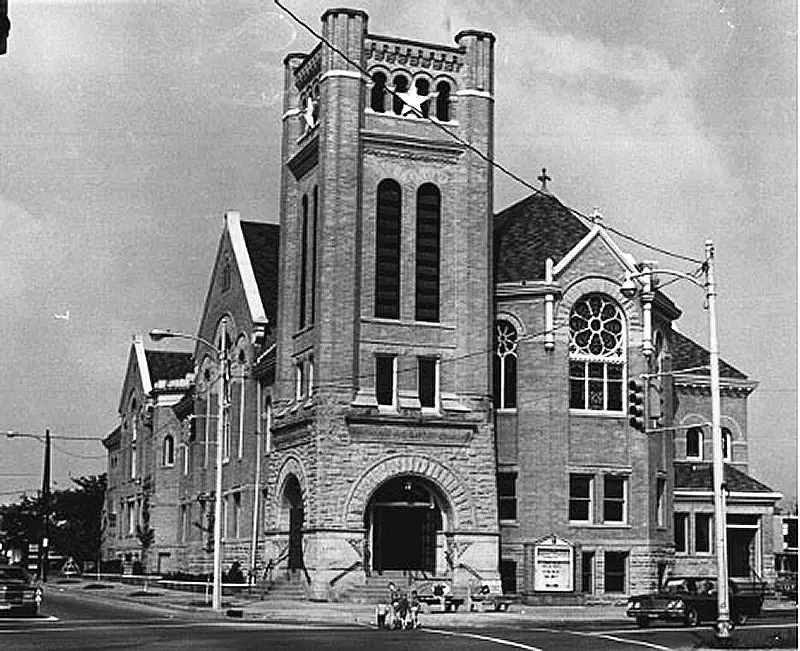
point(491, 161)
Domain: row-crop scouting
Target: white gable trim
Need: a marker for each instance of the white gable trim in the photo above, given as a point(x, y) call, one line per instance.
point(625, 259)
point(234, 225)
point(144, 369)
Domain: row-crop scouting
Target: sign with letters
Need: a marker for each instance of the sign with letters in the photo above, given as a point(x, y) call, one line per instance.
point(553, 565)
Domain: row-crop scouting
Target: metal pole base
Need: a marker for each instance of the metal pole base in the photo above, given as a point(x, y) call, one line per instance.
point(722, 629)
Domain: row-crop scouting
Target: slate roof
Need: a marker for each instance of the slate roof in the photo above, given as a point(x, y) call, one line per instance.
point(688, 354)
point(529, 232)
point(168, 365)
point(261, 241)
point(697, 476)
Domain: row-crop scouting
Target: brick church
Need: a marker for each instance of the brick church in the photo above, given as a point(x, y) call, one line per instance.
point(418, 386)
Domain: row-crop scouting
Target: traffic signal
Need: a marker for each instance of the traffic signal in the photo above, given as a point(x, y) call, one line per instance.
point(636, 405)
point(5, 26)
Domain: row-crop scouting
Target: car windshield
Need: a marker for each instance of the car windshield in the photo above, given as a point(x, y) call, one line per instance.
point(13, 574)
point(690, 586)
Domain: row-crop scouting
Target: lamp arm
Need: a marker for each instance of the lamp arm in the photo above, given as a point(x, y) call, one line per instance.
point(166, 334)
point(668, 272)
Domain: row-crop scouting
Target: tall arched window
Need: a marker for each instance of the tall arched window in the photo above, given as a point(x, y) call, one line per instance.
point(596, 354)
point(505, 365)
point(694, 443)
point(443, 101)
point(168, 451)
point(376, 100)
point(428, 253)
point(423, 88)
point(387, 250)
point(303, 261)
point(133, 414)
point(400, 86)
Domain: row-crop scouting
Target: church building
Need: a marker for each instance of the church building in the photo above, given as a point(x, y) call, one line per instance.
point(416, 387)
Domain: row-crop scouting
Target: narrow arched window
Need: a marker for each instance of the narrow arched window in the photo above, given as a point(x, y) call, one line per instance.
point(378, 92)
point(168, 451)
point(424, 88)
point(314, 241)
point(428, 253)
point(387, 250)
point(400, 86)
point(443, 101)
point(694, 443)
point(303, 262)
point(596, 354)
point(727, 441)
point(505, 365)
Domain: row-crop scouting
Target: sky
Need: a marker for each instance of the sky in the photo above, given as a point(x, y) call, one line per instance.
point(127, 129)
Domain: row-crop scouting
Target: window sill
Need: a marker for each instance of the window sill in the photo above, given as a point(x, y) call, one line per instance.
point(599, 525)
point(509, 523)
point(598, 412)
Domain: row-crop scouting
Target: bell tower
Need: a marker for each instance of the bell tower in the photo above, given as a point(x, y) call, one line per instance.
point(384, 331)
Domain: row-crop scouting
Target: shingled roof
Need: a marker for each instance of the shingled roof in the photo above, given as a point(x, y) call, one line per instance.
point(697, 476)
point(688, 354)
point(168, 365)
point(529, 232)
point(261, 241)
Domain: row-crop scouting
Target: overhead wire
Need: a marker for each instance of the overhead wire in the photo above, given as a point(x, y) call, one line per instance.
point(488, 159)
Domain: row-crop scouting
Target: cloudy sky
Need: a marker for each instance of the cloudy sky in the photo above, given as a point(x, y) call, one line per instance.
point(128, 128)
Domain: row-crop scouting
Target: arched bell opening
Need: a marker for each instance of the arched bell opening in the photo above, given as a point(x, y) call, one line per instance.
point(406, 519)
point(292, 515)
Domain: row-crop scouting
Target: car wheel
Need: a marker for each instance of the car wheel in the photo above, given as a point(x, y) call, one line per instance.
point(643, 622)
point(692, 617)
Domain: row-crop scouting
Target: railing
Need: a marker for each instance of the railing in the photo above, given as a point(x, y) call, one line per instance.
point(344, 573)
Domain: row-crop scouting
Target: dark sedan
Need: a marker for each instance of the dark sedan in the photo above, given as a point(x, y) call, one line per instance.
point(691, 600)
point(19, 595)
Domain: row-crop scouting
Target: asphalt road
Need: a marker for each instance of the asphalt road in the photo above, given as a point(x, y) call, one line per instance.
point(71, 621)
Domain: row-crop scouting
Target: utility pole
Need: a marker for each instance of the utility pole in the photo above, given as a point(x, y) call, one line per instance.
point(43, 553)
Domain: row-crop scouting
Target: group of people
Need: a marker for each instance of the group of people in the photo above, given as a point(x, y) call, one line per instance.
point(402, 611)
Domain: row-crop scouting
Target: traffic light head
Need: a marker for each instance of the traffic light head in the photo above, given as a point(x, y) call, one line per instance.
point(636, 405)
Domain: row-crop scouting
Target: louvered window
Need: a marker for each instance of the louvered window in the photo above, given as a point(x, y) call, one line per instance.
point(387, 251)
point(428, 253)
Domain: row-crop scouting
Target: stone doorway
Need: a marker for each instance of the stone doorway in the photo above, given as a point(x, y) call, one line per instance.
point(292, 504)
point(404, 522)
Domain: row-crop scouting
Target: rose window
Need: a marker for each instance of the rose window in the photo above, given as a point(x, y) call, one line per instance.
point(596, 327)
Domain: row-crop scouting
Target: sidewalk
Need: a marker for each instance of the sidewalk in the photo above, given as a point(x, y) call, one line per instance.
point(309, 613)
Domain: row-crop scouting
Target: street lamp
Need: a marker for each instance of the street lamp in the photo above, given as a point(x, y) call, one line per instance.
point(222, 355)
point(629, 289)
point(44, 547)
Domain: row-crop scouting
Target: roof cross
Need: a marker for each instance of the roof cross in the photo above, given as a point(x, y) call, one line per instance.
point(543, 178)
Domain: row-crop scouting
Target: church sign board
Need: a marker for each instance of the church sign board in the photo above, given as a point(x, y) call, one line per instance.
point(553, 565)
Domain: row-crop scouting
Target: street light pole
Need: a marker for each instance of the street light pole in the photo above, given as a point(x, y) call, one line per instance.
point(723, 625)
point(629, 289)
point(224, 373)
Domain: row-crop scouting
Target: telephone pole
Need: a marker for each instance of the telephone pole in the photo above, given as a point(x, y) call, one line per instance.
point(44, 548)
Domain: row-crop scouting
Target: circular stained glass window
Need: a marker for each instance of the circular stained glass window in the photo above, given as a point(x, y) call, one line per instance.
point(596, 327)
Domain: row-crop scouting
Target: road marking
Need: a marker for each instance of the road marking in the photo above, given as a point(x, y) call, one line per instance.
point(484, 638)
point(612, 638)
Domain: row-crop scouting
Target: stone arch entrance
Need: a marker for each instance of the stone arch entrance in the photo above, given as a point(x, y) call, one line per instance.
point(292, 516)
point(405, 520)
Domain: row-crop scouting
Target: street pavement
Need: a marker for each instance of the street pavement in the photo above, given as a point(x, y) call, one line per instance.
point(252, 607)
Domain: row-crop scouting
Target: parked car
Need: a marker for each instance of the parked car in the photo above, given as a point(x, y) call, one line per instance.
point(692, 600)
point(19, 594)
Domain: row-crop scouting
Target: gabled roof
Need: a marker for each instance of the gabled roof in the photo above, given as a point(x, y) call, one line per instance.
point(697, 476)
point(168, 365)
point(529, 232)
point(261, 241)
point(690, 355)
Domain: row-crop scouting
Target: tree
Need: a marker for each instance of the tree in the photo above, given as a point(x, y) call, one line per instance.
point(75, 519)
point(144, 532)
